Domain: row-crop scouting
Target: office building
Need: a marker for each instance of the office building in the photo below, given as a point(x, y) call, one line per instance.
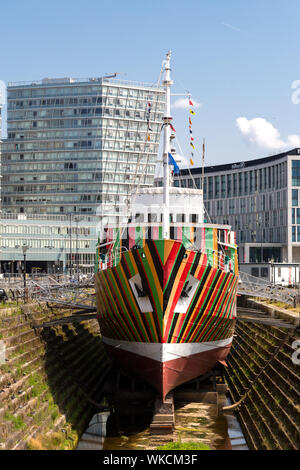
point(79, 146)
point(57, 244)
point(1, 98)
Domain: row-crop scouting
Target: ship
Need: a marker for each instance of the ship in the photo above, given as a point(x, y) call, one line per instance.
point(166, 281)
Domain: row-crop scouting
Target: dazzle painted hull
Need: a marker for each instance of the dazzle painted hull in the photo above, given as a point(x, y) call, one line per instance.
point(166, 315)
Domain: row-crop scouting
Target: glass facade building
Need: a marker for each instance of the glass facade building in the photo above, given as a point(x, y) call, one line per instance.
point(1, 97)
point(56, 244)
point(0, 114)
point(260, 199)
point(79, 146)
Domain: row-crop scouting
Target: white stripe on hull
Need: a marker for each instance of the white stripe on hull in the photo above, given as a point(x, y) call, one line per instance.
point(164, 352)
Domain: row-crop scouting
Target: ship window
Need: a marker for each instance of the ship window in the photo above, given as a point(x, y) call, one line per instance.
point(152, 217)
point(221, 236)
point(193, 218)
point(180, 218)
point(139, 217)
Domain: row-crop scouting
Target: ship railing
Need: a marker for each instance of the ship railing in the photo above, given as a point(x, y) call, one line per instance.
point(190, 233)
point(213, 258)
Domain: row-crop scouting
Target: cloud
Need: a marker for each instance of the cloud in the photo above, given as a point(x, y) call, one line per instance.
point(183, 103)
point(263, 134)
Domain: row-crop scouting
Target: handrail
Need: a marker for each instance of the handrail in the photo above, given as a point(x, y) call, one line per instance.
point(219, 261)
point(258, 287)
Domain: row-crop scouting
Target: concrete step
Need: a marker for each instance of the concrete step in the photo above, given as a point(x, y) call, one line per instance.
point(163, 418)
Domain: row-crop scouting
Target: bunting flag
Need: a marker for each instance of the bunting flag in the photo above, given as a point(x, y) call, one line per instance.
point(173, 162)
point(191, 133)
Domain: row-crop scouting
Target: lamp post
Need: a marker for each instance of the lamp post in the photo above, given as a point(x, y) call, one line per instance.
point(24, 249)
point(77, 220)
point(70, 246)
point(272, 271)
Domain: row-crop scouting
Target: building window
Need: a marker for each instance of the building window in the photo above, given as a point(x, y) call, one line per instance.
point(246, 182)
point(255, 272)
point(204, 182)
point(243, 205)
point(217, 187)
point(295, 197)
point(231, 206)
point(223, 186)
point(235, 184)
point(264, 272)
point(219, 207)
point(251, 181)
point(240, 184)
point(296, 173)
point(210, 187)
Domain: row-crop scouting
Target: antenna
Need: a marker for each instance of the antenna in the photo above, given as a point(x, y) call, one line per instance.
point(167, 83)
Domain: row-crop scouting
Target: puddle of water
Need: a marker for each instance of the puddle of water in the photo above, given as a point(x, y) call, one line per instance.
point(235, 432)
point(94, 436)
point(193, 422)
point(130, 437)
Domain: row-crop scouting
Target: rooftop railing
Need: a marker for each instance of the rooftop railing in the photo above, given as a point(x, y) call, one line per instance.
point(46, 217)
point(87, 81)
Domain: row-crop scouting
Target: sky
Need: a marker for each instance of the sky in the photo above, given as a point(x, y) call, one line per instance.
point(238, 59)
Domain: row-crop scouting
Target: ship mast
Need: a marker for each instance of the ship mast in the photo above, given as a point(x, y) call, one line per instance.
point(166, 149)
